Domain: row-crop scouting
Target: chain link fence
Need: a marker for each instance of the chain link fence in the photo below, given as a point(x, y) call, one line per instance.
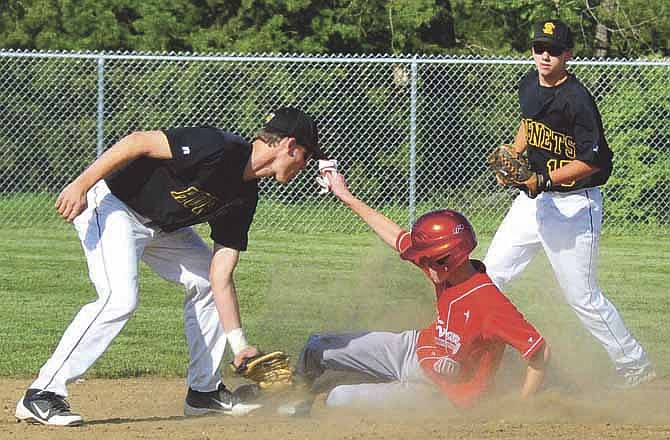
point(411, 133)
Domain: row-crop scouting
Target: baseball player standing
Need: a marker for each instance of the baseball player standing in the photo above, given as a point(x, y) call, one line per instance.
point(459, 352)
point(136, 202)
point(561, 208)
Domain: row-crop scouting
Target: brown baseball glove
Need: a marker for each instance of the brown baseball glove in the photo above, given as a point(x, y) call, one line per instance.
point(512, 169)
point(268, 370)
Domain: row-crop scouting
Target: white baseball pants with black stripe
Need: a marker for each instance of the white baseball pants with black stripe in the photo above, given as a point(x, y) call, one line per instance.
point(567, 226)
point(115, 239)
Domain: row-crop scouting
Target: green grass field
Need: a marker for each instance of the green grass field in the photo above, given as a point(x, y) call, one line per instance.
point(291, 285)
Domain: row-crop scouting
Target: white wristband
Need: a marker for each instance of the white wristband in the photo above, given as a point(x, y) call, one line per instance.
point(237, 340)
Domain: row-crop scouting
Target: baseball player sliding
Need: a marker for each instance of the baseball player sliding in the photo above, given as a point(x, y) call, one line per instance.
point(136, 202)
point(459, 352)
point(560, 207)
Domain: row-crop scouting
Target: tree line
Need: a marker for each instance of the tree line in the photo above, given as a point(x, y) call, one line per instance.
point(603, 28)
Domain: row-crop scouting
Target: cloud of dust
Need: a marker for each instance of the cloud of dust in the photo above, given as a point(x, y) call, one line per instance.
point(383, 292)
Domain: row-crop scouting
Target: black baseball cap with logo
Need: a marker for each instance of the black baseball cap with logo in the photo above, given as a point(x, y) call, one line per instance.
point(553, 32)
point(293, 122)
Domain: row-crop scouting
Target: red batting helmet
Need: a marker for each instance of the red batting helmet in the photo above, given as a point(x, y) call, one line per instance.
point(441, 241)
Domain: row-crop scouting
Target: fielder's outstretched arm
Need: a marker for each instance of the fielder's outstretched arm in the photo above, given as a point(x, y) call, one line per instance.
point(72, 200)
point(386, 228)
point(224, 262)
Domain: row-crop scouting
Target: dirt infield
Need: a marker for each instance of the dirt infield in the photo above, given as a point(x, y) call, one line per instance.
point(152, 408)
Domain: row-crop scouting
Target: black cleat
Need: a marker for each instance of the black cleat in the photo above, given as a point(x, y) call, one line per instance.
point(221, 401)
point(47, 408)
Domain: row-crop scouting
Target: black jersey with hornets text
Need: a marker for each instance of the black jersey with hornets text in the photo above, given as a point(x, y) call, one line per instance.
point(562, 124)
point(201, 183)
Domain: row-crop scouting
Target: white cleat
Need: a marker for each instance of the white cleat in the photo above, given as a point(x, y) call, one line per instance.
point(634, 377)
point(299, 408)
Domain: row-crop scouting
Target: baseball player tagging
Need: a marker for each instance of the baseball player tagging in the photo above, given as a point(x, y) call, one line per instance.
point(136, 203)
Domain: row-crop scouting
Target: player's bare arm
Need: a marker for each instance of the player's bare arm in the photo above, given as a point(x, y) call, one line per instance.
point(386, 228)
point(535, 372)
point(520, 144)
point(224, 262)
point(72, 200)
point(575, 170)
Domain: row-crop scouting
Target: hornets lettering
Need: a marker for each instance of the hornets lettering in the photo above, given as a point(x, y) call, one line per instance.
point(195, 199)
point(540, 136)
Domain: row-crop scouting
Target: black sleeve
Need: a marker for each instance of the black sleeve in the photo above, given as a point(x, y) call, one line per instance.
point(192, 146)
point(231, 228)
point(587, 130)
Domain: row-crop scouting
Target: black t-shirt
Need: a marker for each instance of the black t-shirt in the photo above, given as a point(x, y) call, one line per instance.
point(563, 124)
point(201, 183)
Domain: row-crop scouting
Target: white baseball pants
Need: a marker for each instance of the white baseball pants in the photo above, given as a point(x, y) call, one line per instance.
point(567, 226)
point(115, 239)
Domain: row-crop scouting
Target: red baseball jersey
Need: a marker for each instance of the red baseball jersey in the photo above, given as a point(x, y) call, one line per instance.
point(474, 323)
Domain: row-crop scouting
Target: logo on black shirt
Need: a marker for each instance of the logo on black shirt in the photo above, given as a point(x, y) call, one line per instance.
point(195, 199)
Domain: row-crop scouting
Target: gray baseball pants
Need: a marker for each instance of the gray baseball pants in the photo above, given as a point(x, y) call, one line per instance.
point(388, 358)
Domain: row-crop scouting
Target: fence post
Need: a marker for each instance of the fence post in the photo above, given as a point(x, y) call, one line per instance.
point(101, 106)
point(412, 143)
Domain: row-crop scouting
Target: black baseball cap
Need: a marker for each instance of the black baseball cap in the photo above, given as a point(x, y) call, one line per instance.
point(293, 122)
point(554, 32)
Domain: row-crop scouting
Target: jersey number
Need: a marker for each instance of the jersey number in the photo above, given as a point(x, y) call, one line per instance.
point(554, 164)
